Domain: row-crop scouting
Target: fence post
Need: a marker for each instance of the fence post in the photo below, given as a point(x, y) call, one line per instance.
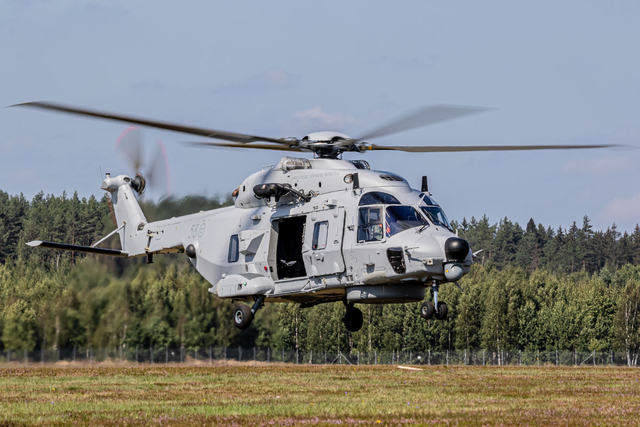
point(429, 360)
point(268, 354)
point(358, 357)
point(297, 356)
point(166, 355)
point(340, 356)
point(311, 358)
point(447, 357)
point(375, 355)
point(483, 358)
point(575, 357)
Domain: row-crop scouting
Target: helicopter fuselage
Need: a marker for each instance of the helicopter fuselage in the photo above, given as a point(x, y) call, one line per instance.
point(341, 244)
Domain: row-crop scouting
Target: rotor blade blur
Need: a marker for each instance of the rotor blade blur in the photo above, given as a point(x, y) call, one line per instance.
point(158, 175)
point(209, 133)
point(424, 116)
point(452, 149)
point(230, 145)
point(130, 146)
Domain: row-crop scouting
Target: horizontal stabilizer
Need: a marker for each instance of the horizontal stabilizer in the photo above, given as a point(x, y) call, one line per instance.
point(77, 248)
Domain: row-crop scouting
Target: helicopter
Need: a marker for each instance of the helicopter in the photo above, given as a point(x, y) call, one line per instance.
point(306, 230)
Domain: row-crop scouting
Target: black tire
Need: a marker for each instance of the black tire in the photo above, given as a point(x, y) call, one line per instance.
point(353, 319)
point(427, 310)
point(441, 314)
point(242, 317)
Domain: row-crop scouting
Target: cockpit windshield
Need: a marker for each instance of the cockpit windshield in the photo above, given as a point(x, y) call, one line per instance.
point(377, 222)
point(435, 213)
point(400, 218)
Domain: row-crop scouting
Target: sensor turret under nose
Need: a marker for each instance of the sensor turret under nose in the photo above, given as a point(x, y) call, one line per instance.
point(456, 249)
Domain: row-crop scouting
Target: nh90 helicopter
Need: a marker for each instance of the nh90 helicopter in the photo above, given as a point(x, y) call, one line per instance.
point(306, 231)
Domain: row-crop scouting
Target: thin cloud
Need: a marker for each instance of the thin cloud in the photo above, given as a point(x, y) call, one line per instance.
point(607, 165)
point(316, 116)
point(274, 78)
point(621, 209)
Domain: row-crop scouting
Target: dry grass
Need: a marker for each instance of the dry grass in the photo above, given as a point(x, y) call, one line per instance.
point(317, 395)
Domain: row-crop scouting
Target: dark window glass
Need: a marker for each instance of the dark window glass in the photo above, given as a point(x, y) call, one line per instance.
point(436, 215)
point(400, 218)
point(370, 224)
point(234, 250)
point(320, 233)
point(378, 198)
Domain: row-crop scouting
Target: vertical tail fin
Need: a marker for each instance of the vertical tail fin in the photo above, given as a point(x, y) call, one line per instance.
point(128, 213)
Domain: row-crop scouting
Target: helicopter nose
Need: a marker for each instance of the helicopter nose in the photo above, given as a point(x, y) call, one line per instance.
point(456, 249)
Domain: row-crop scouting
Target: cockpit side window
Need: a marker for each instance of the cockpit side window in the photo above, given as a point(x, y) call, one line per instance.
point(370, 224)
point(378, 198)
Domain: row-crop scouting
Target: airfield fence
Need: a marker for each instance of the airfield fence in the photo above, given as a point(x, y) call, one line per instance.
point(269, 355)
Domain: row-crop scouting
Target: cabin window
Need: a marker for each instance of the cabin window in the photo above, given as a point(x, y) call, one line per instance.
point(234, 250)
point(370, 223)
point(378, 198)
point(320, 234)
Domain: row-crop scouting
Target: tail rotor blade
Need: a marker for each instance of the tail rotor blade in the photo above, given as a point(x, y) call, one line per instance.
point(158, 174)
point(129, 144)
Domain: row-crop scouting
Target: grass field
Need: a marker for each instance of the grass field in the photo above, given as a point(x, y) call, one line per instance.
point(245, 394)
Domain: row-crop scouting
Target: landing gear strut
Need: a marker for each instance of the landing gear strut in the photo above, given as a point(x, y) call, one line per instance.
point(436, 307)
point(352, 318)
point(243, 316)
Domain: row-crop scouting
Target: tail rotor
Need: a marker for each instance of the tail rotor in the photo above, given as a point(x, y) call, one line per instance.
point(151, 166)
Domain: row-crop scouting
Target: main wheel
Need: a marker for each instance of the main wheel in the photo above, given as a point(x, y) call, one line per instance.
point(441, 314)
point(427, 310)
point(353, 319)
point(242, 317)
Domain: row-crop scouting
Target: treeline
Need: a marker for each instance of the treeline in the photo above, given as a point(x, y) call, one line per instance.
point(533, 288)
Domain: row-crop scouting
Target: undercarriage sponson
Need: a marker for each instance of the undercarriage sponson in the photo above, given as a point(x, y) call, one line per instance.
point(386, 294)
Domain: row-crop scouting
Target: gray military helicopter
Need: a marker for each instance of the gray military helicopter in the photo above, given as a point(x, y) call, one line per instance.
point(306, 230)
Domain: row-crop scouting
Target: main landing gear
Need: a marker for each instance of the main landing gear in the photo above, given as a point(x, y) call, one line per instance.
point(428, 308)
point(243, 316)
point(352, 318)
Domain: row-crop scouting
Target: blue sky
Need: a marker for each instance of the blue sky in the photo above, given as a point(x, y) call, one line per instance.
point(555, 72)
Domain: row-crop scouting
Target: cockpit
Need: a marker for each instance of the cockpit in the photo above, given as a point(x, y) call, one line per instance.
point(433, 211)
point(382, 215)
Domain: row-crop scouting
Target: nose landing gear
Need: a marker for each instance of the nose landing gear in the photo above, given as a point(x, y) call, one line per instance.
point(243, 316)
point(437, 308)
point(352, 318)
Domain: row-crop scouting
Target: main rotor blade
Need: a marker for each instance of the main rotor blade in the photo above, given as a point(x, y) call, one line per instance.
point(231, 145)
point(210, 133)
point(424, 116)
point(459, 148)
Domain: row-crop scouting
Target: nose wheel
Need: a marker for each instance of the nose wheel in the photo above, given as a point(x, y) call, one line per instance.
point(352, 318)
point(243, 316)
point(435, 308)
